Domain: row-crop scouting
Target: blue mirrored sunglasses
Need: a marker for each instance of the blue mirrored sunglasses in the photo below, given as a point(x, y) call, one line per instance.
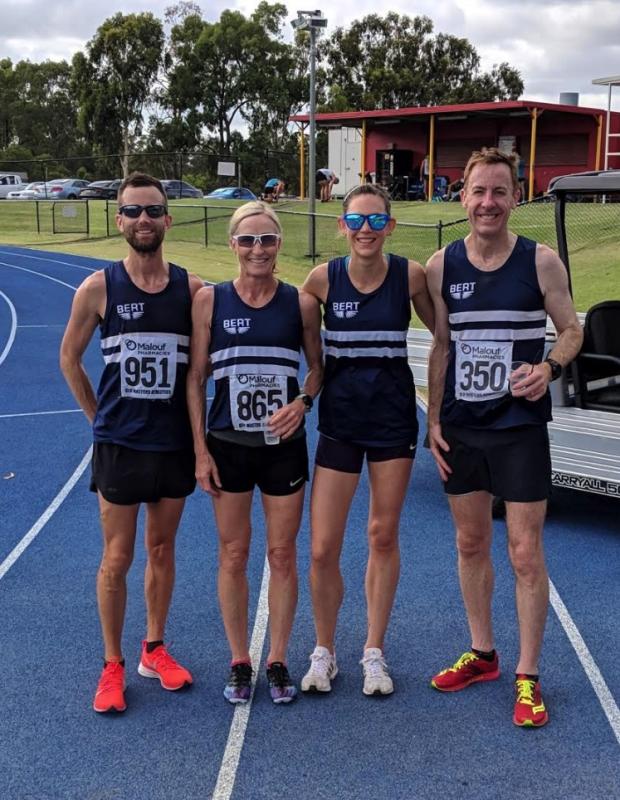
point(133, 211)
point(377, 222)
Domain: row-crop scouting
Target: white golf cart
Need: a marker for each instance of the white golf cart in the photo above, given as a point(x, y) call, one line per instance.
point(585, 432)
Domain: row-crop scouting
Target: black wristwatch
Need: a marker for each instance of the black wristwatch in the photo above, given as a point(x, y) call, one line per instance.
point(556, 369)
point(306, 400)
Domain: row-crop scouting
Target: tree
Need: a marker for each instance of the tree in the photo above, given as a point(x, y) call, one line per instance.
point(114, 81)
point(232, 71)
point(395, 61)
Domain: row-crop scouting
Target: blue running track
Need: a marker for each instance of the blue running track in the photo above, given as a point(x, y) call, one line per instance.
point(414, 745)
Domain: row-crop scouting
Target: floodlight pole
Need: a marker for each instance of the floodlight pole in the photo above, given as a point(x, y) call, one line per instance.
point(311, 21)
point(312, 147)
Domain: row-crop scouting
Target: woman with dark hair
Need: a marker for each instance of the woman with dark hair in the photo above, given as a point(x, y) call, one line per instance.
point(367, 409)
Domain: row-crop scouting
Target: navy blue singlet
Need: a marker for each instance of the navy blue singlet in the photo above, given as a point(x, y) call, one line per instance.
point(145, 346)
point(368, 395)
point(495, 318)
point(255, 353)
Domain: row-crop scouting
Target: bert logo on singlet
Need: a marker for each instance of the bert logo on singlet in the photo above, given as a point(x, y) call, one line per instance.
point(240, 325)
point(129, 311)
point(345, 309)
point(461, 291)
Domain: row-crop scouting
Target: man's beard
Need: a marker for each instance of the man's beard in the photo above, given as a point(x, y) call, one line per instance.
point(145, 246)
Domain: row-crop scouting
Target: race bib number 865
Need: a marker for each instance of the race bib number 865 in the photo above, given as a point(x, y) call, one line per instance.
point(482, 370)
point(254, 398)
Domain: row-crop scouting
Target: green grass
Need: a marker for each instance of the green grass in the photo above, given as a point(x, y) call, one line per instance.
point(594, 236)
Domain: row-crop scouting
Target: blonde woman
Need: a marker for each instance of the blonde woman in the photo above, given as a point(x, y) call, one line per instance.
point(249, 332)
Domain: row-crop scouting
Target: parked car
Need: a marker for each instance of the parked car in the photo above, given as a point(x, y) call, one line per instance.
point(231, 193)
point(31, 191)
point(101, 190)
point(12, 182)
point(177, 189)
point(65, 188)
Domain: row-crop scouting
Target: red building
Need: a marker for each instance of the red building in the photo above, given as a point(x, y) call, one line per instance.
point(551, 139)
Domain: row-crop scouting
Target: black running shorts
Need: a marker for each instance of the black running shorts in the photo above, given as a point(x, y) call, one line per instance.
point(277, 469)
point(125, 476)
point(514, 463)
point(349, 457)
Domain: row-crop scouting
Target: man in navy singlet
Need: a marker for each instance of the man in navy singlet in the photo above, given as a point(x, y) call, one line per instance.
point(488, 410)
point(143, 449)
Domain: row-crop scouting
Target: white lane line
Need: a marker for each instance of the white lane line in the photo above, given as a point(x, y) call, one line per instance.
point(50, 260)
point(593, 673)
point(32, 534)
point(40, 413)
point(40, 274)
point(11, 338)
point(230, 761)
point(53, 325)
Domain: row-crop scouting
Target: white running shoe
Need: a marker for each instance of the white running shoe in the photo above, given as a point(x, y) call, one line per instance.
point(323, 669)
point(376, 676)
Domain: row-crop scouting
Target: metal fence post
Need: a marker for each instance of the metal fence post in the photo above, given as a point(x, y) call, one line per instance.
point(38, 219)
point(439, 234)
point(206, 227)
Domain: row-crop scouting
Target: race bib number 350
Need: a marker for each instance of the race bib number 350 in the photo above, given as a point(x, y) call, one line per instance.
point(482, 370)
point(254, 398)
point(148, 365)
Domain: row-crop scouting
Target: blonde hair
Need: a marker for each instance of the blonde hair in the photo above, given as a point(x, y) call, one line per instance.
point(253, 209)
point(492, 155)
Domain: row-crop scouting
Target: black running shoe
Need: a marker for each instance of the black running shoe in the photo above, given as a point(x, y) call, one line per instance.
point(281, 688)
point(239, 686)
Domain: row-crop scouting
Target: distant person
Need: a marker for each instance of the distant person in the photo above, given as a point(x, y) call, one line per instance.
point(272, 190)
point(425, 171)
point(453, 192)
point(143, 441)
point(325, 181)
point(520, 164)
point(489, 405)
point(249, 331)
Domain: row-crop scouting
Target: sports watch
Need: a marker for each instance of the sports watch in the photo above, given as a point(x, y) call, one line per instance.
point(556, 369)
point(306, 400)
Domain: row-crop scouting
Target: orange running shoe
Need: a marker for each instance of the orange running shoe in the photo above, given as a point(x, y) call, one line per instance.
point(530, 711)
point(469, 669)
point(110, 689)
point(160, 664)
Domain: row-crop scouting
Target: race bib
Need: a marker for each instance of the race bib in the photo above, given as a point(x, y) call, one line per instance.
point(254, 398)
point(482, 370)
point(148, 365)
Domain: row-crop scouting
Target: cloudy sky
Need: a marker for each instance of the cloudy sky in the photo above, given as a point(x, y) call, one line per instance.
point(557, 45)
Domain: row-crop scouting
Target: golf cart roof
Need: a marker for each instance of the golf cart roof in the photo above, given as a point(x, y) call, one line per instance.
point(602, 182)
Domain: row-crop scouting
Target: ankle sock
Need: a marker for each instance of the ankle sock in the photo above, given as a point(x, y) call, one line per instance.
point(483, 654)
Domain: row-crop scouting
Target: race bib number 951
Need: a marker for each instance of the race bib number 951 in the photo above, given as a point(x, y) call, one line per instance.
point(482, 370)
point(254, 398)
point(148, 365)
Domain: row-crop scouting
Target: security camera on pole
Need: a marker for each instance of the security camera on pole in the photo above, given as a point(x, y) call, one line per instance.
point(311, 21)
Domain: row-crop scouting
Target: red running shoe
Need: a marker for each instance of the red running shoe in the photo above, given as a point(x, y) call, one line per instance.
point(110, 689)
point(160, 664)
point(470, 668)
point(530, 711)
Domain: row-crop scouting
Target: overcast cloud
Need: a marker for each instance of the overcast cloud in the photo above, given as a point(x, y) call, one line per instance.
point(557, 46)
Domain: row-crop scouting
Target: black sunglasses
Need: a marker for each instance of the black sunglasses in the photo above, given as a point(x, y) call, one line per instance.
point(133, 211)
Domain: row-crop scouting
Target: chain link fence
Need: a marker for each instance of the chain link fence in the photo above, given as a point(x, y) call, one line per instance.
point(200, 169)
